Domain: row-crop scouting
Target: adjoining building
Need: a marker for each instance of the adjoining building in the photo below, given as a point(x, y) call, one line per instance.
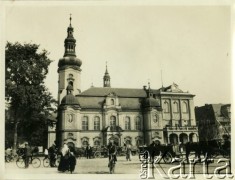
point(131, 116)
point(214, 121)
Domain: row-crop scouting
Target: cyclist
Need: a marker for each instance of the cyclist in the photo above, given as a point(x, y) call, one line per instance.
point(52, 155)
point(112, 150)
point(27, 155)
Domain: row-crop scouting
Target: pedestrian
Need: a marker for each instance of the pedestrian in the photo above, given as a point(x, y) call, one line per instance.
point(27, 155)
point(72, 162)
point(64, 164)
point(112, 150)
point(46, 153)
point(128, 152)
point(88, 151)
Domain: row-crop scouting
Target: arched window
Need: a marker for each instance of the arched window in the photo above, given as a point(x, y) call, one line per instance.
point(137, 123)
point(166, 107)
point(97, 123)
point(127, 123)
point(184, 107)
point(85, 143)
point(70, 135)
point(85, 123)
point(128, 142)
point(112, 122)
point(175, 107)
point(97, 143)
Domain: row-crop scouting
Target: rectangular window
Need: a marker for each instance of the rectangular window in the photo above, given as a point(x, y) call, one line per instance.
point(97, 123)
point(137, 125)
point(127, 123)
point(85, 123)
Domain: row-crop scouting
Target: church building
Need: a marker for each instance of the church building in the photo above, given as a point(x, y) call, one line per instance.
point(126, 116)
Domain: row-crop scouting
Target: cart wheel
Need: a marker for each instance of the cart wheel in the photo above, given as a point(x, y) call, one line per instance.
point(36, 162)
point(167, 158)
point(46, 162)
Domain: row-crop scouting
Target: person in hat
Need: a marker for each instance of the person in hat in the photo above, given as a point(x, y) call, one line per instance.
point(72, 162)
point(64, 163)
point(88, 151)
point(27, 155)
point(112, 150)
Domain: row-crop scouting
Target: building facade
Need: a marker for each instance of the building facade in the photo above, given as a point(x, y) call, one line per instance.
point(214, 121)
point(126, 116)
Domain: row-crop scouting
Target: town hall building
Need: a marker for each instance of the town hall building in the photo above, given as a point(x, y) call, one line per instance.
point(126, 116)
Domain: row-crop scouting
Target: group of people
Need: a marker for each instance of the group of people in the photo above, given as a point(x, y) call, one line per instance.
point(67, 160)
point(67, 157)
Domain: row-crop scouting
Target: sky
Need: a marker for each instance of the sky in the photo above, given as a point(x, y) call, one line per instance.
point(190, 45)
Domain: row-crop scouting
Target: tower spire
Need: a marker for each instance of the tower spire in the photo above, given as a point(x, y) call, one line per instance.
point(70, 20)
point(106, 78)
point(106, 71)
point(70, 42)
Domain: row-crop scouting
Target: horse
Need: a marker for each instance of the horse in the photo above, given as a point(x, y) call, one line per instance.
point(160, 151)
point(206, 148)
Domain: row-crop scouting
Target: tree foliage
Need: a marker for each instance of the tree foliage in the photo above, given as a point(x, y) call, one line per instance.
point(30, 101)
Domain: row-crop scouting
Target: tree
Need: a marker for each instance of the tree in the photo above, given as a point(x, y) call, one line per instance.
point(30, 101)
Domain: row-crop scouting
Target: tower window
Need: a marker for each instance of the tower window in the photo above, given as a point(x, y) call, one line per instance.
point(112, 122)
point(112, 101)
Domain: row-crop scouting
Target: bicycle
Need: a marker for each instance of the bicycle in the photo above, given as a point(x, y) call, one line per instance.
point(111, 164)
point(46, 161)
point(20, 162)
point(10, 158)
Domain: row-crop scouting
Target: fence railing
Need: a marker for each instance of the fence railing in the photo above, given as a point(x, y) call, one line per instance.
point(184, 128)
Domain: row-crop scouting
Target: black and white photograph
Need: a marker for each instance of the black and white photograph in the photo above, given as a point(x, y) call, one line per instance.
point(117, 89)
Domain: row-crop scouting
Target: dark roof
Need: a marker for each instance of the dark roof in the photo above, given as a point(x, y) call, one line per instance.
point(90, 102)
point(212, 111)
point(151, 102)
point(69, 100)
point(120, 92)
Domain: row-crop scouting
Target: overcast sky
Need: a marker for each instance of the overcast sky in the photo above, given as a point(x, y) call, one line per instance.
point(190, 44)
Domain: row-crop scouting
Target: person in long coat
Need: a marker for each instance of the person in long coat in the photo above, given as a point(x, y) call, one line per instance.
point(72, 162)
point(64, 160)
point(128, 152)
